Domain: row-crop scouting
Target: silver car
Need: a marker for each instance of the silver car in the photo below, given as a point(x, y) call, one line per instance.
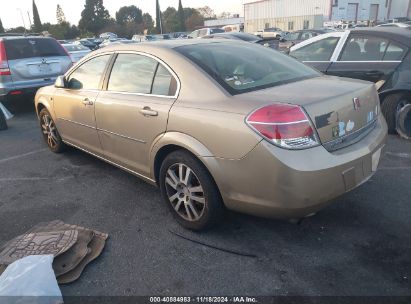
point(76, 51)
point(28, 63)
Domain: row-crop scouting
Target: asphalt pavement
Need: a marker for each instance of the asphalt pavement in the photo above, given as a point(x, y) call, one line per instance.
point(358, 246)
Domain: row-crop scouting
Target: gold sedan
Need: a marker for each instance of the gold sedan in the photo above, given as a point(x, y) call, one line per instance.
point(218, 124)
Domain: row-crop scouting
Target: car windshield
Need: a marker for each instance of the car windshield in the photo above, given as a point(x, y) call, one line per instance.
point(215, 31)
point(75, 47)
point(243, 67)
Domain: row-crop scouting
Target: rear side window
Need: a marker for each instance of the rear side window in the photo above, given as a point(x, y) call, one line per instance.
point(133, 74)
point(321, 50)
point(33, 47)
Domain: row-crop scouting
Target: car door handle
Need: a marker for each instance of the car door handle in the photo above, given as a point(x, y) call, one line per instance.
point(147, 111)
point(87, 102)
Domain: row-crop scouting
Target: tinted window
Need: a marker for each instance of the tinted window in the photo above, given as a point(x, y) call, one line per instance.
point(88, 75)
point(321, 50)
point(214, 31)
point(75, 47)
point(164, 83)
point(33, 47)
point(364, 48)
point(245, 67)
point(133, 74)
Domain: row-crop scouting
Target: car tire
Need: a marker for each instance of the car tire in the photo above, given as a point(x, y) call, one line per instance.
point(390, 107)
point(3, 121)
point(50, 132)
point(179, 186)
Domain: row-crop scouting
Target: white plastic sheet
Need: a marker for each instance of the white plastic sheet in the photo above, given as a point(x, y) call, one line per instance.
point(30, 280)
point(6, 112)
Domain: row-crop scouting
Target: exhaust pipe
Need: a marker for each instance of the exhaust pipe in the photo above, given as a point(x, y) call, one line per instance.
point(6, 112)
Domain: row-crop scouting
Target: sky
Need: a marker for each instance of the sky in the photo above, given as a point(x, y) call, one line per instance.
point(11, 11)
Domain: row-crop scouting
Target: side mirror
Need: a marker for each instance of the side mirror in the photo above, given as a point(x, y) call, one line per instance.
point(60, 82)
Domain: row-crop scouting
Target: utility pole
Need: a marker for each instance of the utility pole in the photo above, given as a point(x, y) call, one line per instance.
point(22, 18)
point(28, 14)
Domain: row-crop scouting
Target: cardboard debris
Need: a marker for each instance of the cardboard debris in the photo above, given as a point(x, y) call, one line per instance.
point(73, 247)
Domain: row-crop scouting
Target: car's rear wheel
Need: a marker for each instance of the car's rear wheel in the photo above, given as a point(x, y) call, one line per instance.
point(190, 191)
point(50, 132)
point(3, 121)
point(391, 106)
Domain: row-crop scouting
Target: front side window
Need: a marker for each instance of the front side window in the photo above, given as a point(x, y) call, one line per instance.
point(321, 50)
point(88, 75)
point(242, 67)
point(394, 52)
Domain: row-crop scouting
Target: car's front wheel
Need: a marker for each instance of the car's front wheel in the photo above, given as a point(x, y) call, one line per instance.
point(50, 132)
point(190, 191)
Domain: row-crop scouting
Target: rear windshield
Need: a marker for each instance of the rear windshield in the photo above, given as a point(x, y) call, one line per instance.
point(33, 47)
point(246, 67)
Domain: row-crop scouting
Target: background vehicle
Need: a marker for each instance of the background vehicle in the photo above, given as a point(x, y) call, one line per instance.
point(272, 32)
point(28, 63)
point(76, 51)
point(397, 24)
point(296, 37)
point(204, 32)
point(380, 54)
point(272, 43)
point(143, 38)
point(162, 113)
point(88, 43)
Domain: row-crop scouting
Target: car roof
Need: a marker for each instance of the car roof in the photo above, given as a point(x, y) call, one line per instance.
point(402, 35)
point(16, 36)
point(164, 44)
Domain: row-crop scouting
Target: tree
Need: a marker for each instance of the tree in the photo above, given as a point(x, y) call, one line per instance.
point(129, 14)
point(37, 27)
point(94, 17)
point(60, 15)
point(1, 27)
point(207, 12)
point(181, 18)
point(193, 18)
point(62, 31)
point(148, 23)
point(159, 25)
point(170, 20)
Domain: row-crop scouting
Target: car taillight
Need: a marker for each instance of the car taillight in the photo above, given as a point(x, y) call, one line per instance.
point(284, 125)
point(4, 65)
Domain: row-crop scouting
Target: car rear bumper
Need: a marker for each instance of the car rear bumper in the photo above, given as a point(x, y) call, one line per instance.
point(10, 89)
point(279, 183)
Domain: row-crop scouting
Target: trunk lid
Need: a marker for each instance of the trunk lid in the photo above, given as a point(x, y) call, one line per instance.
point(339, 108)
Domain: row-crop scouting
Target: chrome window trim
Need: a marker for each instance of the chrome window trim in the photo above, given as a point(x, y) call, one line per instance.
point(160, 61)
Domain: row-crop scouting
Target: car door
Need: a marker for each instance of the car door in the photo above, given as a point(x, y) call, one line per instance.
point(368, 57)
point(318, 51)
point(133, 109)
point(74, 105)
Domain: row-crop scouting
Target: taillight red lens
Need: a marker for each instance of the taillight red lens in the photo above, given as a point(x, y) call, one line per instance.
point(4, 65)
point(284, 125)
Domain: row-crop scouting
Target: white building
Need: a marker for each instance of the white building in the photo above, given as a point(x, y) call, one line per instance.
point(299, 14)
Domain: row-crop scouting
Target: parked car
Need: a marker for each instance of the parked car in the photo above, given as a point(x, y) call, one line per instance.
point(380, 54)
point(88, 43)
point(272, 32)
point(296, 37)
point(115, 40)
point(76, 51)
point(204, 32)
point(143, 38)
point(272, 43)
point(219, 124)
point(28, 63)
point(396, 24)
point(108, 35)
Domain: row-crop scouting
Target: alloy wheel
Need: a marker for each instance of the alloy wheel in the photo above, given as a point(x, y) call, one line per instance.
point(49, 130)
point(185, 192)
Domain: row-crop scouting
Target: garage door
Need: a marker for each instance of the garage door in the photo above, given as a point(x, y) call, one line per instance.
point(374, 12)
point(352, 11)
